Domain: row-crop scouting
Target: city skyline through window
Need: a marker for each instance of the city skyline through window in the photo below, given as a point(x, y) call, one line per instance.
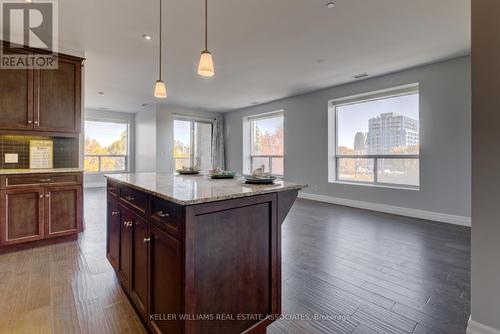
point(377, 139)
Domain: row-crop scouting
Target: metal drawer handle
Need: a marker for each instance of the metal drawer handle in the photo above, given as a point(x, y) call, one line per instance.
point(30, 121)
point(128, 223)
point(146, 240)
point(47, 195)
point(130, 198)
point(114, 213)
point(44, 180)
point(163, 214)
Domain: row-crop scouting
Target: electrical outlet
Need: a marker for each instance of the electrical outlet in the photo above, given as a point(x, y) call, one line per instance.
point(11, 158)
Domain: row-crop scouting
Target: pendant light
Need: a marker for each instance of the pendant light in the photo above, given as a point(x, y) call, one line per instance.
point(206, 66)
point(160, 87)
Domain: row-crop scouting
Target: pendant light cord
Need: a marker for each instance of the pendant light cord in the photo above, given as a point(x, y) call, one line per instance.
point(160, 40)
point(206, 25)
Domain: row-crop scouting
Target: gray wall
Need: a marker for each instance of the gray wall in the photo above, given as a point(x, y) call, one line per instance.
point(159, 150)
point(97, 179)
point(485, 164)
point(445, 139)
point(145, 140)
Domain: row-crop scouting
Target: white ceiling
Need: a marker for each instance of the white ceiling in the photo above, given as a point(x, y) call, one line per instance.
point(263, 49)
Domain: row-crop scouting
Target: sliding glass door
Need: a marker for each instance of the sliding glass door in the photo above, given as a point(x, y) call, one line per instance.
point(192, 144)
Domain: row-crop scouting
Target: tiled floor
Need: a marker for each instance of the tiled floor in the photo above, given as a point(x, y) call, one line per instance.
point(356, 271)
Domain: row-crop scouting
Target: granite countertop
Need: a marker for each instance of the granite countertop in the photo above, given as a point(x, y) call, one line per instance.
point(39, 171)
point(196, 189)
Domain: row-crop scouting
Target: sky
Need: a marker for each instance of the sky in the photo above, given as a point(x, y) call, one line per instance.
point(269, 125)
point(104, 133)
point(354, 118)
point(182, 132)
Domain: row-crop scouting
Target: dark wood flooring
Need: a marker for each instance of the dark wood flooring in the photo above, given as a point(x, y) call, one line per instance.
point(344, 270)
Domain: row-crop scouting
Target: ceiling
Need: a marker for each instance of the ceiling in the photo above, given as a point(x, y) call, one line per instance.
point(263, 50)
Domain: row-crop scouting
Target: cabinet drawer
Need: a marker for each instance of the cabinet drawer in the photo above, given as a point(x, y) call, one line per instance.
point(36, 180)
point(134, 199)
point(113, 188)
point(166, 215)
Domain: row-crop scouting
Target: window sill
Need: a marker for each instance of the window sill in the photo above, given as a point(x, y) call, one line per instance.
point(377, 185)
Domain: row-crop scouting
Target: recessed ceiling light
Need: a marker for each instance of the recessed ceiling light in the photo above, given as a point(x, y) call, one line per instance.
point(100, 93)
point(330, 5)
point(361, 75)
point(146, 37)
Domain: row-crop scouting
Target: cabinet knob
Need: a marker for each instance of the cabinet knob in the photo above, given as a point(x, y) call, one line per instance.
point(47, 195)
point(163, 214)
point(30, 121)
point(36, 122)
point(41, 196)
point(146, 240)
point(128, 223)
point(114, 213)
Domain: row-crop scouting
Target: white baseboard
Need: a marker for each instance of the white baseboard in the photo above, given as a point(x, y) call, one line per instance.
point(478, 328)
point(94, 184)
point(397, 210)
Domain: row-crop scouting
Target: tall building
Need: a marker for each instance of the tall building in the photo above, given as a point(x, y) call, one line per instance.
point(360, 142)
point(389, 131)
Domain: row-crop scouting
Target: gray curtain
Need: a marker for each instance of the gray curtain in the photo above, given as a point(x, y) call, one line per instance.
point(218, 143)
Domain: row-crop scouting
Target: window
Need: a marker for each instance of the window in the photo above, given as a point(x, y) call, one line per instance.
point(266, 143)
point(106, 146)
point(376, 138)
point(192, 144)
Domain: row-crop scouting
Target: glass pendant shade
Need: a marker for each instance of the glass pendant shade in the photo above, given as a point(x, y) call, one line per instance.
point(206, 66)
point(160, 90)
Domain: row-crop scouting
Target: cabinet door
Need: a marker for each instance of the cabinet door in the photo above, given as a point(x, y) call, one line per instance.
point(113, 233)
point(63, 212)
point(139, 283)
point(125, 265)
point(165, 283)
point(21, 217)
point(16, 99)
point(58, 98)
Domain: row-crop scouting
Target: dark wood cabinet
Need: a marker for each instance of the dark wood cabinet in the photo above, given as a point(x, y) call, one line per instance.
point(165, 272)
point(113, 233)
point(38, 208)
point(57, 97)
point(16, 99)
point(182, 264)
point(22, 216)
point(139, 284)
point(63, 210)
point(125, 265)
point(39, 100)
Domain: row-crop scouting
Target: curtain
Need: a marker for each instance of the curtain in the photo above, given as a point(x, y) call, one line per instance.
point(218, 158)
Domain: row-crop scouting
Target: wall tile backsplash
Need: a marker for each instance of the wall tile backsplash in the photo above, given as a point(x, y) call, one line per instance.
point(65, 151)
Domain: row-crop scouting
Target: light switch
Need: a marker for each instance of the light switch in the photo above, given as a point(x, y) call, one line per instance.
point(11, 158)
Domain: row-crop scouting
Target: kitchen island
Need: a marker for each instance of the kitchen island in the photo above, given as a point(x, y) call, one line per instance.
point(196, 255)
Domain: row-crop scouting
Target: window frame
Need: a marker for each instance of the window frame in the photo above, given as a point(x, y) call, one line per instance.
point(99, 156)
point(251, 120)
point(367, 97)
point(192, 121)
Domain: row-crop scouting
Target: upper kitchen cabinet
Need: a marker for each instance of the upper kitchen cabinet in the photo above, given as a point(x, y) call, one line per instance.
point(16, 99)
point(57, 106)
point(39, 100)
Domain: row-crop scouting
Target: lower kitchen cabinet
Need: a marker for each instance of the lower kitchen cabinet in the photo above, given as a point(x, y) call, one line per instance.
point(22, 218)
point(125, 265)
point(63, 214)
point(39, 209)
point(139, 285)
point(165, 272)
point(113, 234)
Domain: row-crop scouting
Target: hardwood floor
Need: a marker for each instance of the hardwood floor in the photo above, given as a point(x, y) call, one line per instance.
point(355, 271)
